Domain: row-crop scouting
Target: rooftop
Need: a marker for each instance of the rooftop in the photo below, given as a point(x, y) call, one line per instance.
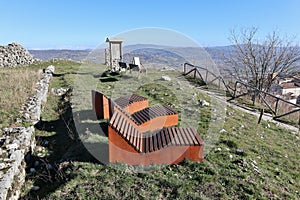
point(290, 85)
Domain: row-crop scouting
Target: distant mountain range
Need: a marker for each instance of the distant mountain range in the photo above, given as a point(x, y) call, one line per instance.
point(147, 51)
point(76, 55)
point(150, 55)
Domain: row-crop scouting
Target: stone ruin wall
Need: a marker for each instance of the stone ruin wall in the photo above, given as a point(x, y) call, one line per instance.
point(17, 143)
point(14, 55)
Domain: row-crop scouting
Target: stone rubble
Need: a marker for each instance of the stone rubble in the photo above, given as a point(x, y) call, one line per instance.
point(14, 54)
point(59, 91)
point(13, 160)
point(166, 78)
point(17, 143)
point(31, 111)
point(203, 103)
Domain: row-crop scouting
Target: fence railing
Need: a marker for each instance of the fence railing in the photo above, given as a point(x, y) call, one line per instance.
point(207, 77)
point(278, 106)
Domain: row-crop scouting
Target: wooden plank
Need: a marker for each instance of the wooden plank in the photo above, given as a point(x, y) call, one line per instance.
point(122, 127)
point(140, 144)
point(197, 137)
point(155, 111)
point(138, 140)
point(179, 135)
point(159, 140)
point(131, 138)
point(139, 117)
point(155, 145)
point(175, 139)
point(193, 135)
point(143, 117)
point(168, 137)
point(160, 111)
point(146, 144)
point(137, 120)
point(190, 140)
point(163, 138)
point(151, 143)
point(184, 136)
point(135, 138)
point(111, 122)
point(129, 132)
point(126, 129)
point(171, 111)
point(119, 123)
point(117, 119)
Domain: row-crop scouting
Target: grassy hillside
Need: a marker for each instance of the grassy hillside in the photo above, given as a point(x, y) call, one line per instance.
point(16, 85)
point(248, 161)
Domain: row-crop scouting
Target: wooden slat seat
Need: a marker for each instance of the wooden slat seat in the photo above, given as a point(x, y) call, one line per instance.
point(125, 101)
point(152, 112)
point(149, 142)
point(135, 129)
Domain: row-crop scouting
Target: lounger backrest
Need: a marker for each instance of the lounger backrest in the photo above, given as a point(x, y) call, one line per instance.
point(136, 61)
point(123, 65)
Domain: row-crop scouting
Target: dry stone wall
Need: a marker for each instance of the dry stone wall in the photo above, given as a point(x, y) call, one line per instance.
point(15, 54)
point(31, 111)
point(17, 143)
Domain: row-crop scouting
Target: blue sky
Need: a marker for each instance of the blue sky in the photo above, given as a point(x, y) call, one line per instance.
point(76, 24)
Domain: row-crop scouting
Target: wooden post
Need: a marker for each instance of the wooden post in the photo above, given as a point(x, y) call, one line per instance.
point(299, 120)
point(254, 98)
point(260, 116)
point(234, 92)
point(276, 105)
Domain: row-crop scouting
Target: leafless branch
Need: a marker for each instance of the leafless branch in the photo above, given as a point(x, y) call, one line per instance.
point(255, 61)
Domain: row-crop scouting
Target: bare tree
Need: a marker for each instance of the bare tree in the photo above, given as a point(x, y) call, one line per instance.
point(258, 62)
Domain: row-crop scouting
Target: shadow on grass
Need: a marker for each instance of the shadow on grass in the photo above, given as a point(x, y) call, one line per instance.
point(109, 79)
point(79, 73)
point(60, 144)
point(289, 122)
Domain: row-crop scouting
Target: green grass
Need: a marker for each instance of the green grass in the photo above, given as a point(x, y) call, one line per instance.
point(248, 161)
